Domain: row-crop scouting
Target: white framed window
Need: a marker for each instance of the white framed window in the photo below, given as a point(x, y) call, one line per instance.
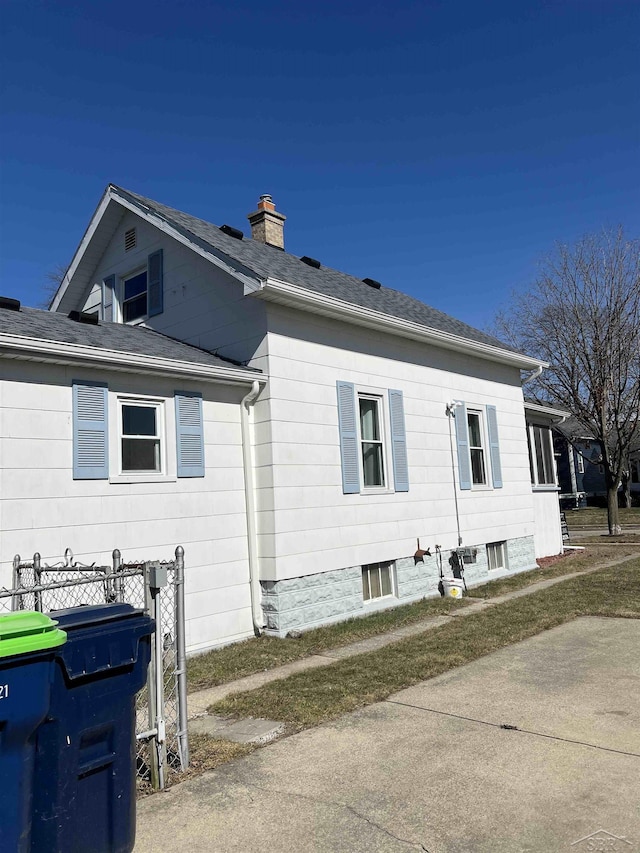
point(141, 436)
point(477, 447)
point(580, 462)
point(134, 296)
point(371, 435)
point(377, 581)
point(541, 461)
point(497, 555)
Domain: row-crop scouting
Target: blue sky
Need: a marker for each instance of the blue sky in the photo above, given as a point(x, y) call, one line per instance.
point(439, 147)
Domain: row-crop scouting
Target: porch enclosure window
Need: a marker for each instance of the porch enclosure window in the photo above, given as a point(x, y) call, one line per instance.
point(377, 580)
point(371, 442)
point(140, 437)
point(497, 555)
point(543, 471)
point(476, 449)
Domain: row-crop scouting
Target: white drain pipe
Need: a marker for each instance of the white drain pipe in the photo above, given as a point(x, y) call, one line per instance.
point(250, 504)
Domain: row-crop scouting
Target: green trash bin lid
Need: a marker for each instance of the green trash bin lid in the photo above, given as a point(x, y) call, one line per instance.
point(26, 631)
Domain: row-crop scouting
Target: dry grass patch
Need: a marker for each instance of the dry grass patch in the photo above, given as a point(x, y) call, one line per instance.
point(315, 696)
point(566, 564)
point(263, 653)
point(592, 516)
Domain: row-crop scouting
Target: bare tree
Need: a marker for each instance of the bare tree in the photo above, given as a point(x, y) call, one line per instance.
point(582, 315)
point(50, 287)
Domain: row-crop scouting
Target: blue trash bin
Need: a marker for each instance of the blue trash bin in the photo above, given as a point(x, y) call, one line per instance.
point(27, 645)
point(85, 770)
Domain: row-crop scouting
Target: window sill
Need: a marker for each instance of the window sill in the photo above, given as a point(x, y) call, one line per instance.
point(547, 488)
point(142, 478)
point(382, 602)
point(377, 490)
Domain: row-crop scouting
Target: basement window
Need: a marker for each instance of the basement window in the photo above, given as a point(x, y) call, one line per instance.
point(497, 555)
point(377, 581)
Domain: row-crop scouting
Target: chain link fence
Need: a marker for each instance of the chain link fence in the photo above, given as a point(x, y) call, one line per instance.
point(156, 587)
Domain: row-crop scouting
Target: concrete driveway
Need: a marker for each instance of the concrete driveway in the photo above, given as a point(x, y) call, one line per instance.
point(431, 769)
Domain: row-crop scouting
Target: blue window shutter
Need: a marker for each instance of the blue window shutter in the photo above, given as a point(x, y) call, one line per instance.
point(462, 439)
point(108, 287)
point(189, 434)
point(155, 289)
point(494, 447)
point(398, 441)
point(90, 432)
point(347, 423)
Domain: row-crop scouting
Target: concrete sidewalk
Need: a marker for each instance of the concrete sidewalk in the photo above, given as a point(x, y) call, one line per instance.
point(432, 769)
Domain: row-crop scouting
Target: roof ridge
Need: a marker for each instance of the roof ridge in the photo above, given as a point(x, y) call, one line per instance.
point(260, 259)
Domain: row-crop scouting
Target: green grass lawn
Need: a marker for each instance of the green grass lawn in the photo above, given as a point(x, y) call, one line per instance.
point(595, 517)
point(263, 653)
point(315, 696)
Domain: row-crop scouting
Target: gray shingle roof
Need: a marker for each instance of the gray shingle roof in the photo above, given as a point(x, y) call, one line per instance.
point(267, 261)
point(112, 337)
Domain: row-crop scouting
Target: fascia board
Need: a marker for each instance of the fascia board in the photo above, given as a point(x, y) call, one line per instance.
point(277, 290)
point(546, 410)
point(249, 279)
point(77, 258)
point(30, 349)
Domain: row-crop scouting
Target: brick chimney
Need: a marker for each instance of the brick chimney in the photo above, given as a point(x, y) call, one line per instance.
point(267, 225)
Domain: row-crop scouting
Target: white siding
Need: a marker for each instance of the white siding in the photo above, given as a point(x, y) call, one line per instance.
point(307, 524)
point(548, 533)
point(203, 305)
point(42, 508)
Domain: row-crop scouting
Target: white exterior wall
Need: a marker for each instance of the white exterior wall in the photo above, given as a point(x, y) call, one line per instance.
point(306, 523)
point(42, 508)
point(548, 533)
point(203, 305)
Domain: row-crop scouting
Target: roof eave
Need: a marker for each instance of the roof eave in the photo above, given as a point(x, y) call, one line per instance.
point(556, 415)
point(34, 349)
point(276, 290)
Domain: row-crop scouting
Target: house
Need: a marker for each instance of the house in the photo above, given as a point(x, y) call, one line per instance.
point(379, 440)
point(580, 469)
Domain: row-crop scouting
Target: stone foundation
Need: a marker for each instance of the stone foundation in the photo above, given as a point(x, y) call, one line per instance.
point(308, 602)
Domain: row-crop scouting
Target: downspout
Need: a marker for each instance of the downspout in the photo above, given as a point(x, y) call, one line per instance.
point(250, 504)
point(533, 375)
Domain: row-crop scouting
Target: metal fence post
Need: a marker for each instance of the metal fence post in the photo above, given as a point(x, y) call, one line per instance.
point(37, 575)
point(16, 600)
point(181, 660)
point(154, 755)
point(156, 579)
point(116, 558)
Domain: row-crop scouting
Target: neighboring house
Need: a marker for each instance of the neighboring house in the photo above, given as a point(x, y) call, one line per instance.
point(379, 421)
point(580, 469)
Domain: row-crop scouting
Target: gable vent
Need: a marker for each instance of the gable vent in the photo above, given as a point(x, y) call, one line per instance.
point(130, 239)
point(9, 304)
point(372, 283)
point(232, 232)
point(310, 262)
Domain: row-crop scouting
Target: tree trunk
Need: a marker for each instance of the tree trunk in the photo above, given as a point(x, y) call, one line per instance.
point(626, 489)
point(612, 512)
